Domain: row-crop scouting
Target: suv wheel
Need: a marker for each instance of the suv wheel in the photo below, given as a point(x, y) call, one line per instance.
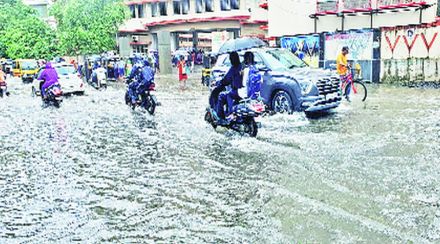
point(282, 102)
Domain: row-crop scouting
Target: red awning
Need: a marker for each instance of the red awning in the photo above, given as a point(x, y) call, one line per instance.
point(138, 43)
point(264, 27)
point(264, 5)
point(195, 20)
point(143, 1)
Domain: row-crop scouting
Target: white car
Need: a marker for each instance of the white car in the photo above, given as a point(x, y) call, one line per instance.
point(69, 80)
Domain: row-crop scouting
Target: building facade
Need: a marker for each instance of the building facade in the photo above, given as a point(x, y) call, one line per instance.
point(42, 9)
point(391, 39)
point(202, 22)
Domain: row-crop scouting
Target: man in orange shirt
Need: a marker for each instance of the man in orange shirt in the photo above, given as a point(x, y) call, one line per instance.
point(342, 62)
point(342, 68)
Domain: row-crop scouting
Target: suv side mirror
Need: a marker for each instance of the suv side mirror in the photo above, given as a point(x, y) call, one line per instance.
point(262, 67)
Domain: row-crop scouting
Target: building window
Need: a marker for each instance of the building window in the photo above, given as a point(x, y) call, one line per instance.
point(163, 8)
point(200, 6)
point(154, 9)
point(235, 4)
point(185, 6)
point(181, 6)
point(133, 11)
point(140, 10)
point(209, 5)
point(225, 5)
point(176, 6)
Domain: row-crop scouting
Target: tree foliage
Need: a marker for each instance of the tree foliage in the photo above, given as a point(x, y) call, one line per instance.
point(88, 26)
point(23, 34)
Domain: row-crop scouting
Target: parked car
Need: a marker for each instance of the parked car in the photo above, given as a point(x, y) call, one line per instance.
point(69, 79)
point(287, 90)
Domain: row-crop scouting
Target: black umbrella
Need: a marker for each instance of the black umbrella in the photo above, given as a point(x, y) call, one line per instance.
point(241, 44)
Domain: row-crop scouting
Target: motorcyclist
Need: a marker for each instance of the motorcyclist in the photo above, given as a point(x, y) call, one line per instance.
point(144, 77)
point(3, 80)
point(96, 66)
point(49, 76)
point(234, 79)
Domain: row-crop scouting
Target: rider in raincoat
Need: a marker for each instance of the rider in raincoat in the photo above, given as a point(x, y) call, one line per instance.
point(49, 76)
point(144, 77)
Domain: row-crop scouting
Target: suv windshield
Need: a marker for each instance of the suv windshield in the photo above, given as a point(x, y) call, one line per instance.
point(262, 60)
point(272, 63)
point(65, 70)
point(29, 65)
point(288, 59)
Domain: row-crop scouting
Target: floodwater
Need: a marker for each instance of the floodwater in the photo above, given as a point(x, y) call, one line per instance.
point(94, 171)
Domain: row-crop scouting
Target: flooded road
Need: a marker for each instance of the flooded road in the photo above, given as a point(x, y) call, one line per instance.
point(94, 171)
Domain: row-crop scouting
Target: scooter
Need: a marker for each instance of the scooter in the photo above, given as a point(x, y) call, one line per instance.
point(242, 116)
point(3, 89)
point(53, 96)
point(100, 79)
point(146, 99)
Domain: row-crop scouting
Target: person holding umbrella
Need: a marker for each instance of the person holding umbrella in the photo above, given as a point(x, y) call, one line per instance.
point(183, 76)
point(233, 78)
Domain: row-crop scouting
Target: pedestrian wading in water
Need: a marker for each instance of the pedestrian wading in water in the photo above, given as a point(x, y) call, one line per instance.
point(183, 76)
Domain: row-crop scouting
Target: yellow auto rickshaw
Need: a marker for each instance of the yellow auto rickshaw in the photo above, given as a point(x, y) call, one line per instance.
point(208, 62)
point(26, 69)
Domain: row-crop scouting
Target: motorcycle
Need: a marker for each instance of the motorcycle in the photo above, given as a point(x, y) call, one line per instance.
point(100, 79)
point(146, 100)
point(53, 96)
point(241, 119)
point(3, 89)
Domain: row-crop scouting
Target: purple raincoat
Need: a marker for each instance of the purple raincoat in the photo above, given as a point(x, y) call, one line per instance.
point(49, 76)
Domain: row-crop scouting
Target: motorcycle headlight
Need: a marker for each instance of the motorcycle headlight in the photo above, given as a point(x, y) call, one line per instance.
point(306, 87)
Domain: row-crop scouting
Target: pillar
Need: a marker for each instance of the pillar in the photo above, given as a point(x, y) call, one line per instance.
point(164, 41)
point(195, 39)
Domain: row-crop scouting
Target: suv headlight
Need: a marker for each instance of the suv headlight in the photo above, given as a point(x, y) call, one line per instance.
point(306, 87)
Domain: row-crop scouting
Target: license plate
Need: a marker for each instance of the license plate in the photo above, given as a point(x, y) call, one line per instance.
point(331, 96)
point(3, 87)
point(58, 98)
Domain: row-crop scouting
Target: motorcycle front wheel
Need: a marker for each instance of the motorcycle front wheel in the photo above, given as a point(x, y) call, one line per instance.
point(151, 104)
point(210, 120)
point(127, 98)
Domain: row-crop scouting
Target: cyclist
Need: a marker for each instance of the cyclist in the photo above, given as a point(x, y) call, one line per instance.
point(342, 67)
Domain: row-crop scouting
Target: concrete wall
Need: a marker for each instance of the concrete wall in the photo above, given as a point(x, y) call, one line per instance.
point(410, 55)
point(292, 18)
point(252, 30)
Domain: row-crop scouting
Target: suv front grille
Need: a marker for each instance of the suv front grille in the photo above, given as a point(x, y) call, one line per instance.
point(328, 86)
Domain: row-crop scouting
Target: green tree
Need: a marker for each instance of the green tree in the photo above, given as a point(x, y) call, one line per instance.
point(23, 34)
point(88, 26)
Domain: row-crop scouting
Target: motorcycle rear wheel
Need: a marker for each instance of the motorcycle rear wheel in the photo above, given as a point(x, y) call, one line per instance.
point(251, 128)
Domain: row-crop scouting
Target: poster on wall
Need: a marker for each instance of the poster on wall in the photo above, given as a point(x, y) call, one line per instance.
point(306, 48)
point(360, 44)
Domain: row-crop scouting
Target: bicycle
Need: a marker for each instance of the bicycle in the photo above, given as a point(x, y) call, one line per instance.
point(353, 89)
